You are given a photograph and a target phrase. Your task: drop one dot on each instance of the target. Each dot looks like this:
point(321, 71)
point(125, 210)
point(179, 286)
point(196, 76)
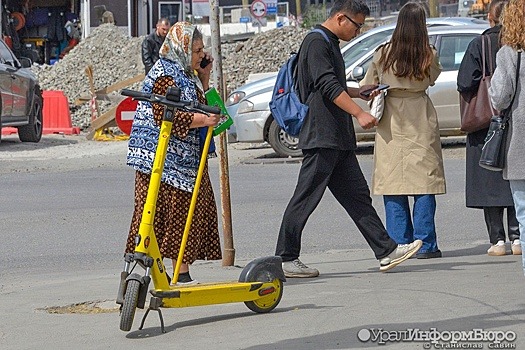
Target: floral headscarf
point(177, 45)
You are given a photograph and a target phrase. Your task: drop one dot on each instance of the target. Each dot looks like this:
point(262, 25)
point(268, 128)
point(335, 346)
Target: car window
point(366, 63)
point(5, 54)
point(452, 49)
point(432, 39)
point(357, 50)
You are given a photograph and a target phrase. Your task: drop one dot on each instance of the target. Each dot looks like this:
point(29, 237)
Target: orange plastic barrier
point(56, 115)
point(9, 131)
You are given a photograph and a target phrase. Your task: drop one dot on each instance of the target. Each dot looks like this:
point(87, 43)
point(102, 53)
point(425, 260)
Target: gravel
point(115, 56)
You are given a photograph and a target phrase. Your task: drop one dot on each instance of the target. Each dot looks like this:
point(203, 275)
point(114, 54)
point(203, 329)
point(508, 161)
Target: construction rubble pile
point(265, 52)
point(115, 57)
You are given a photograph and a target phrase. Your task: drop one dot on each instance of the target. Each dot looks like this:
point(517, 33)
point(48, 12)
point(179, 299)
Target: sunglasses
point(358, 25)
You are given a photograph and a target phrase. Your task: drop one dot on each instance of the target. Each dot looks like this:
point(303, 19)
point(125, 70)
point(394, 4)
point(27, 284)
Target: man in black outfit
point(327, 139)
point(152, 43)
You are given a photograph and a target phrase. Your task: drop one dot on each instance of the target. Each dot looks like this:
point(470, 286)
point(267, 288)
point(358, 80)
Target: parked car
point(21, 98)
point(254, 123)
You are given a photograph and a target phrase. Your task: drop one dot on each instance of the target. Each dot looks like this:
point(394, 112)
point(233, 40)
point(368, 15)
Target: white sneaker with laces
point(296, 268)
point(402, 253)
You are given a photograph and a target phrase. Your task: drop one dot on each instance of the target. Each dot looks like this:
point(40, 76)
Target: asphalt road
point(65, 208)
point(68, 202)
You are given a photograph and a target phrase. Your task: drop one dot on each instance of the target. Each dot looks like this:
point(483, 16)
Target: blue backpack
point(286, 107)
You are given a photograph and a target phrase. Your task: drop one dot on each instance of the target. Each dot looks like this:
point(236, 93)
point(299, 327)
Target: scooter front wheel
point(268, 302)
point(130, 305)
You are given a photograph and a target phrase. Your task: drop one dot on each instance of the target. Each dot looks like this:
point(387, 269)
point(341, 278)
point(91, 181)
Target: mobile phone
point(367, 93)
point(205, 62)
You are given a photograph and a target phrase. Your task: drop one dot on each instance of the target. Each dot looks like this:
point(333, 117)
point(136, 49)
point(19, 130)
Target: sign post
point(258, 10)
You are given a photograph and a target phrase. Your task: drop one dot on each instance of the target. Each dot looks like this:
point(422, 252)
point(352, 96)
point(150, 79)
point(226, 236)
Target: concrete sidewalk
point(463, 291)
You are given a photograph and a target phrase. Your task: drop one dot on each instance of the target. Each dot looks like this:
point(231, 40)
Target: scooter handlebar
point(186, 105)
point(136, 94)
point(205, 108)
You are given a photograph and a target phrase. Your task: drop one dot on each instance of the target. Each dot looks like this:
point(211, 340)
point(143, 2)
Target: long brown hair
point(409, 53)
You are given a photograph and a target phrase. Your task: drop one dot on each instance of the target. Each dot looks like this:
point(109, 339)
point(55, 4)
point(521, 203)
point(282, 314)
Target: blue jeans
point(517, 187)
point(403, 229)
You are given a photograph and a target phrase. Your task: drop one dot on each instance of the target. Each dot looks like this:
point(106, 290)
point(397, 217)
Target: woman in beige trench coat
point(407, 154)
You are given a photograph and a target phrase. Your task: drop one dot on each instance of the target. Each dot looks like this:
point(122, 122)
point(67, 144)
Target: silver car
point(253, 121)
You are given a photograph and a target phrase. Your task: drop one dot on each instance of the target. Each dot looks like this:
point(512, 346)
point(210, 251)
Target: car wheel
point(33, 131)
point(282, 143)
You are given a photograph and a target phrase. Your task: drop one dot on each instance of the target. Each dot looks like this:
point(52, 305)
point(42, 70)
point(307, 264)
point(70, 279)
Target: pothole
point(87, 307)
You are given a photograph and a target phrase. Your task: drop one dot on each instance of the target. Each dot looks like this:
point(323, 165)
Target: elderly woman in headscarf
point(179, 65)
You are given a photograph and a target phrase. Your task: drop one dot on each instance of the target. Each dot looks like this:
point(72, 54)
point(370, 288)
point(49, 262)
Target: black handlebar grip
point(208, 109)
point(135, 94)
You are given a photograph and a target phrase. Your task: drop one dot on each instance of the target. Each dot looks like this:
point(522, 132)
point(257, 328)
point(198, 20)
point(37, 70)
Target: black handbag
point(494, 150)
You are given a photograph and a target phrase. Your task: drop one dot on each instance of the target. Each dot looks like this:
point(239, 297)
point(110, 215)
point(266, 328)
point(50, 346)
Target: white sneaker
point(296, 268)
point(402, 253)
point(497, 249)
point(516, 247)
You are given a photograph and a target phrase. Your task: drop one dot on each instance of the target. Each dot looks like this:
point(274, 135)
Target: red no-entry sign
point(125, 113)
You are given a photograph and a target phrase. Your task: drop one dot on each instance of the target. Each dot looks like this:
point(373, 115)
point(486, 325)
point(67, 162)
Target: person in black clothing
point(328, 143)
point(484, 188)
point(152, 43)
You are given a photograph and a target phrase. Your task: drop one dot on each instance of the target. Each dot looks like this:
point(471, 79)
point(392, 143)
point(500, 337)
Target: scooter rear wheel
point(268, 302)
point(130, 305)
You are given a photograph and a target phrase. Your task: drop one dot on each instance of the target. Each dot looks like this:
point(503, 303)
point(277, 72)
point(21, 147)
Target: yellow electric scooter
point(260, 285)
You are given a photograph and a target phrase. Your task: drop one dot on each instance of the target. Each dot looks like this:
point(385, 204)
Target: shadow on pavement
point(350, 338)
point(156, 331)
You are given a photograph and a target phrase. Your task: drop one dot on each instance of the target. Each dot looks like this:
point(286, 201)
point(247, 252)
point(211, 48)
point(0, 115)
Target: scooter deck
point(215, 293)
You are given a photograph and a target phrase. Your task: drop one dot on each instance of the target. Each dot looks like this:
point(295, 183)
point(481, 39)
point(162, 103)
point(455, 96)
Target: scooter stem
point(193, 203)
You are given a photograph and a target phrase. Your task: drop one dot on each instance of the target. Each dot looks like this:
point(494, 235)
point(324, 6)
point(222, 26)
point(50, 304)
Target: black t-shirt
point(320, 79)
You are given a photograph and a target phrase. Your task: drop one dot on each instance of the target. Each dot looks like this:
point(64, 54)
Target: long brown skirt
point(170, 219)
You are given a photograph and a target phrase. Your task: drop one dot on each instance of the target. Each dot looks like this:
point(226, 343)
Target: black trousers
point(494, 221)
point(341, 173)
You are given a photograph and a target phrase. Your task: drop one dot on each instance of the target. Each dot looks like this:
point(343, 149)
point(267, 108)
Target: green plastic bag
point(214, 99)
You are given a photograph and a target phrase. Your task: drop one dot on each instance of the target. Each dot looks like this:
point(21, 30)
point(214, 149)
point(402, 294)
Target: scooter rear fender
point(256, 268)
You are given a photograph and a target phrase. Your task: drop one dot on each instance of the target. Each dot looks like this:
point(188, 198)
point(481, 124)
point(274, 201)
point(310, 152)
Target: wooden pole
point(228, 257)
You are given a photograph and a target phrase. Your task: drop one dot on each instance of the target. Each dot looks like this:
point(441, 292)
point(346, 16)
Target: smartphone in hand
point(367, 93)
point(205, 62)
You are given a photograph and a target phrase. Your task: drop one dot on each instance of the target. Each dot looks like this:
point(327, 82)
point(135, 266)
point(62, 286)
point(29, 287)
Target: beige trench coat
point(407, 153)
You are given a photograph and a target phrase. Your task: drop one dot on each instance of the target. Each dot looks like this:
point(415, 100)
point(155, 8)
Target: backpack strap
point(317, 30)
point(294, 73)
